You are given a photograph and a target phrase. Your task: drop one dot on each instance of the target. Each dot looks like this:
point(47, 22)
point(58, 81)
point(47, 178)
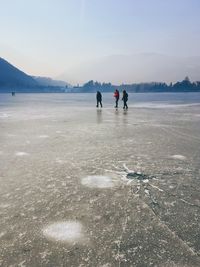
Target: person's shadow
point(125, 118)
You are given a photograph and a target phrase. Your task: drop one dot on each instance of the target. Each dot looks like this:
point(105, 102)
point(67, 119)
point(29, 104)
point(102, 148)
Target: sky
point(77, 40)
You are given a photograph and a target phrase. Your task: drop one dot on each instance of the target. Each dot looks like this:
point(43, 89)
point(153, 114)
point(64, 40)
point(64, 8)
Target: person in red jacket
point(116, 95)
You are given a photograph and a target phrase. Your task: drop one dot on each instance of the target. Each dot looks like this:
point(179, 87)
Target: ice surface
point(87, 187)
point(67, 231)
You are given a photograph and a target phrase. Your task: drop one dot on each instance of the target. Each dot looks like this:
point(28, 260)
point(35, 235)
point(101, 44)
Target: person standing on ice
point(99, 99)
point(116, 95)
point(125, 99)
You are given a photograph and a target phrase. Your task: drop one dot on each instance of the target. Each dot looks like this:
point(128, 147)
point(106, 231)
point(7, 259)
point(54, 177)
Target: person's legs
point(97, 104)
point(116, 103)
point(101, 104)
point(126, 105)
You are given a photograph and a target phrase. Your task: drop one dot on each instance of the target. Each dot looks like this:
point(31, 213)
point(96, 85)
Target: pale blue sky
point(57, 37)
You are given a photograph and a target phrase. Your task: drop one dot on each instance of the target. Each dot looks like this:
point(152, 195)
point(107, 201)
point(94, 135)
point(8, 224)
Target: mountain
point(11, 76)
point(13, 79)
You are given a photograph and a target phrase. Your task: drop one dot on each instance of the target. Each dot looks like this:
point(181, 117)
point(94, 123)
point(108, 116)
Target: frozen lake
point(82, 186)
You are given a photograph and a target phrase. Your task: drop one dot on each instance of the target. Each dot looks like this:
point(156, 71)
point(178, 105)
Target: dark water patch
point(138, 176)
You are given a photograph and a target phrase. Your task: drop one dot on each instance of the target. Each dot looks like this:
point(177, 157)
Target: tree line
point(183, 86)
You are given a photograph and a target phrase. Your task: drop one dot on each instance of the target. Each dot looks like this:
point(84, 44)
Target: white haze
point(146, 67)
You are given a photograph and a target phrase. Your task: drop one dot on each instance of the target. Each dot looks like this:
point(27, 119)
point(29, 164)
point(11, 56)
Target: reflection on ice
point(97, 181)
point(67, 231)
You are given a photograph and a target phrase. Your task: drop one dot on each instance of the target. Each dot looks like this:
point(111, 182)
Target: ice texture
point(89, 187)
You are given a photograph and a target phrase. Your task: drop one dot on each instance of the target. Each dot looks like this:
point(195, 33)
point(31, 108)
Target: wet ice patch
point(134, 175)
point(67, 231)
point(138, 176)
point(180, 157)
point(97, 181)
point(21, 154)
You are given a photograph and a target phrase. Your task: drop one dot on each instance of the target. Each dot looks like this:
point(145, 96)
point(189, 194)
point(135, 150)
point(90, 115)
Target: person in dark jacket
point(99, 99)
point(116, 95)
point(125, 99)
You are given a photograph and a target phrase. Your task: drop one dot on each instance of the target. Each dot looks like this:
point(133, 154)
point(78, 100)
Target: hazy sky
point(58, 38)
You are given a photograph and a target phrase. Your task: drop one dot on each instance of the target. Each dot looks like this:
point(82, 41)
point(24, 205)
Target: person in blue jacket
point(125, 99)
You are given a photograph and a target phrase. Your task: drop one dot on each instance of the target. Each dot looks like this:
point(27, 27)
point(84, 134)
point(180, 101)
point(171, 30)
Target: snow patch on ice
point(147, 192)
point(67, 231)
point(180, 157)
point(43, 136)
point(22, 264)
point(4, 115)
point(2, 234)
point(45, 253)
point(161, 105)
point(21, 154)
point(97, 181)
point(4, 205)
point(11, 135)
point(60, 161)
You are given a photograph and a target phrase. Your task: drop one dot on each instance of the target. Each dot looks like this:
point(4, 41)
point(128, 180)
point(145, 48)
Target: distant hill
point(13, 79)
point(11, 76)
point(46, 81)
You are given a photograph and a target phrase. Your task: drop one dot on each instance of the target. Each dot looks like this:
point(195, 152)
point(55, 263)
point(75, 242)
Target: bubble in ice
point(97, 181)
point(21, 154)
point(180, 157)
point(66, 231)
